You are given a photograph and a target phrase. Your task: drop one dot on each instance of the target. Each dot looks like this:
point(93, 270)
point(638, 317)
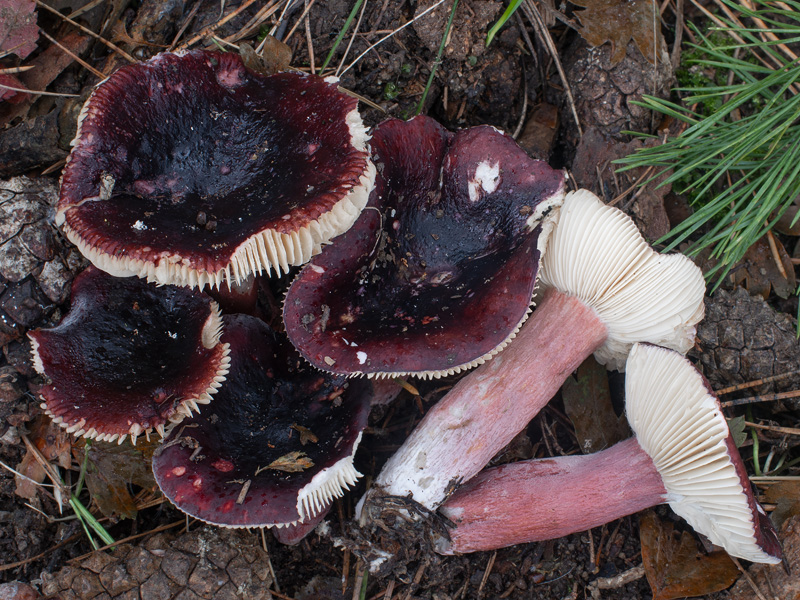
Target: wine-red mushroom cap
point(129, 357)
point(190, 169)
point(277, 444)
point(597, 254)
point(437, 274)
point(678, 421)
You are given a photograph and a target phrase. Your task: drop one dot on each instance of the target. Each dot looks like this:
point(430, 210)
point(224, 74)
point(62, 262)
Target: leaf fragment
point(18, 29)
point(293, 462)
point(306, 435)
point(673, 565)
point(620, 21)
point(587, 402)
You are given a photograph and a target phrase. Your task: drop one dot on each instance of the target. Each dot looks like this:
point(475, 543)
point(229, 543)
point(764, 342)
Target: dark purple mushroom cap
point(129, 357)
point(437, 275)
point(277, 444)
point(190, 169)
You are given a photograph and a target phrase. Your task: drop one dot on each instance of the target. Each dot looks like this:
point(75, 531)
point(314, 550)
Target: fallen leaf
point(759, 272)
point(785, 495)
point(775, 582)
point(53, 443)
point(540, 131)
point(18, 29)
point(737, 428)
point(618, 22)
point(274, 58)
point(306, 435)
point(674, 566)
point(587, 402)
point(112, 469)
point(294, 462)
point(9, 95)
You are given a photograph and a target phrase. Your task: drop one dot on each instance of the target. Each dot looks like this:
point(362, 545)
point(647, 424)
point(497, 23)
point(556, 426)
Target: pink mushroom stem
point(503, 395)
point(550, 498)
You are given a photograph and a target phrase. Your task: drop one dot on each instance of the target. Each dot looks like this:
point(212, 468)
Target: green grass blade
point(341, 35)
point(507, 14)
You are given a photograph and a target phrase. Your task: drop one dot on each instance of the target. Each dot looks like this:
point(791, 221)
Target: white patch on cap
point(139, 226)
point(361, 356)
point(487, 178)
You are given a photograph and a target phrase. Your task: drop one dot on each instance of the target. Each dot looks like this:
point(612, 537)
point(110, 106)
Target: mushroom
point(191, 169)
point(129, 357)
point(682, 454)
point(438, 273)
point(277, 444)
point(606, 289)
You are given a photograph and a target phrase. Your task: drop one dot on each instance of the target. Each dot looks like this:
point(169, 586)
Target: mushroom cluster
point(228, 174)
point(421, 250)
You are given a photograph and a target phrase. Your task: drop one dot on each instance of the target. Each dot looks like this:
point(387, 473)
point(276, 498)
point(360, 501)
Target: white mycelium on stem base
point(607, 289)
point(682, 454)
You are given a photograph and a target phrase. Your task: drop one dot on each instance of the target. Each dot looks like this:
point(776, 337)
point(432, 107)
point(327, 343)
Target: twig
point(352, 37)
point(300, 19)
point(386, 37)
point(310, 43)
point(36, 92)
point(774, 428)
point(755, 382)
point(749, 579)
point(128, 539)
point(73, 56)
point(22, 563)
point(757, 399)
point(487, 572)
point(524, 111)
point(87, 31)
point(214, 26)
point(532, 12)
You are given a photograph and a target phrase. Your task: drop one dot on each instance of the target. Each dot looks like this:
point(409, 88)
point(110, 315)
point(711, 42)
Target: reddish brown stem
point(549, 498)
point(488, 407)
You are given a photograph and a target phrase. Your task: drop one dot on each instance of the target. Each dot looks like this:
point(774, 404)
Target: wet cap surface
point(438, 273)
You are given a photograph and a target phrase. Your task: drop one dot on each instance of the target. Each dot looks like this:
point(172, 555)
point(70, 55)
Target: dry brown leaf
point(587, 402)
point(759, 272)
point(53, 443)
point(673, 565)
point(293, 462)
point(785, 495)
point(9, 95)
point(618, 22)
point(112, 469)
point(306, 435)
point(274, 58)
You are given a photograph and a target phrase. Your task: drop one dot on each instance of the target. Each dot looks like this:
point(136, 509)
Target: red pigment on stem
point(488, 407)
point(549, 498)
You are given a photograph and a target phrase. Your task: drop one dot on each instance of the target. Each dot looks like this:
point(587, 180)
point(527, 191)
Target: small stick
point(127, 539)
point(87, 31)
point(16, 70)
point(486, 573)
point(352, 37)
point(386, 37)
point(212, 28)
point(756, 382)
point(73, 56)
point(310, 43)
point(300, 19)
point(749, 579)
point(773, 246)
point(269, 564)
point(755, 399)
point(774, 428)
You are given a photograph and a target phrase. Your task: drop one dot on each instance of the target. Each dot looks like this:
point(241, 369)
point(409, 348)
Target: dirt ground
point(514, 85)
